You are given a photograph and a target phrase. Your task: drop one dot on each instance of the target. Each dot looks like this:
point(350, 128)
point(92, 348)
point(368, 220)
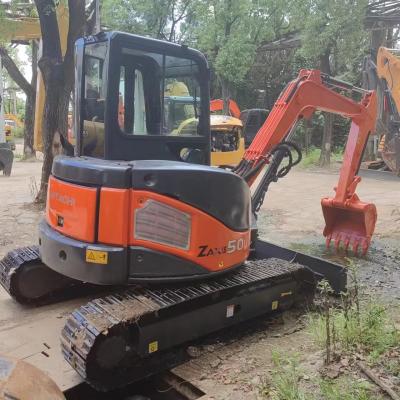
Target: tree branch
point(90, 18)
point(15, 73)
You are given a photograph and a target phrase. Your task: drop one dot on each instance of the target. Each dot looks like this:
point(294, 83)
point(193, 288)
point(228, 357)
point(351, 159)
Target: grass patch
point(393, 366)
point(369, 330)
point(312, 157)
point(285, 381)
point(346, 389)
point(286, 384)
point(18, 132)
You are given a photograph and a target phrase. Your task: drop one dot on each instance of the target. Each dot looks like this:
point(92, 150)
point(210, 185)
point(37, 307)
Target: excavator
point(384, 76)
point(147, 214)
point(249, 120)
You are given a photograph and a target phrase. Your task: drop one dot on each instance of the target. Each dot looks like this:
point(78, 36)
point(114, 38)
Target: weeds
point(345, 389)
point(285, 382)
point(371, 330)
point(393, 366)
point(354, 326)
point(330, 331)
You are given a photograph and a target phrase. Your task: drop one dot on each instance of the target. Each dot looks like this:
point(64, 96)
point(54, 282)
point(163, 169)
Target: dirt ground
point(233, 367)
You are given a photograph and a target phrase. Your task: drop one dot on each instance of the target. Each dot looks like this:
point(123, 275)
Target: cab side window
point(131, 103)
point(94, 100)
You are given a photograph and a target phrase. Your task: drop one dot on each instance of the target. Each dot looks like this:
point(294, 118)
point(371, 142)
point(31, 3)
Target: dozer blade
point(350, 224)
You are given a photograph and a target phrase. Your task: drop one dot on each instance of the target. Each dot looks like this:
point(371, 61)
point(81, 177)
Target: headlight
point(160, 223)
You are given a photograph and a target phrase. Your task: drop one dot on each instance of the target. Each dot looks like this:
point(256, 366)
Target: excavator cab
point(120, 104)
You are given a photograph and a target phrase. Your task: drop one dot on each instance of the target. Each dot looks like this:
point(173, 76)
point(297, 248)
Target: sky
point(27, 71)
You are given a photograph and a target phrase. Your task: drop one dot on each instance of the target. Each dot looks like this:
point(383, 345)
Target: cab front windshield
point(158, 95)
point(154, 94)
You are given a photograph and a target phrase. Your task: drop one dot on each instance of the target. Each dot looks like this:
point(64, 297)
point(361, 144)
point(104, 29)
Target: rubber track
point(98, 316)
point(12, 262)
point(12, 268)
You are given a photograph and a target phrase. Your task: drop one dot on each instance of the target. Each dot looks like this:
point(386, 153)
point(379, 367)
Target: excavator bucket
point(350, 224)
point(6, 160)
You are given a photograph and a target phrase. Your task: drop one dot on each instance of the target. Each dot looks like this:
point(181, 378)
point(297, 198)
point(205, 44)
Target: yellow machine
point(388, 68)
point(227, 141)
point(12, 117)
point(11, 122)
point(388, 71)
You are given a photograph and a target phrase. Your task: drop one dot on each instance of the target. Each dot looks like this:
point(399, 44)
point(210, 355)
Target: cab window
point(158, 95)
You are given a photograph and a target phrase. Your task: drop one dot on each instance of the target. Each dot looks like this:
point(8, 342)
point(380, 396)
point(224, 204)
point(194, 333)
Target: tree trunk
point(325, 157)
point(29, 151)
point(58, 77)
point(51, 118)
point(326, 145)
point(226, 95)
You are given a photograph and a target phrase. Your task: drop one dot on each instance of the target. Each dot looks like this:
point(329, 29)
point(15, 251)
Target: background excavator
point(159, 218)
point(384, 76)
point(251, 120)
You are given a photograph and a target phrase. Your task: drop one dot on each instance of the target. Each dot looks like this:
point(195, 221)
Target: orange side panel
point(212, 244)
point(71, 209)
point(114, 216)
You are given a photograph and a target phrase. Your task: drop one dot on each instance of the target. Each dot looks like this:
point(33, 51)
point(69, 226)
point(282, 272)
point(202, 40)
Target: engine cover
point(145, 220)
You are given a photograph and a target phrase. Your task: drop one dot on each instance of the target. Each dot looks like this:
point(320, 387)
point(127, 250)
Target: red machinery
point(347, 219)
point(218, 105)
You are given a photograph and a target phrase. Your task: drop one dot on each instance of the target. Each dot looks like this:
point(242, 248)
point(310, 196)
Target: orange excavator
point(159, 222)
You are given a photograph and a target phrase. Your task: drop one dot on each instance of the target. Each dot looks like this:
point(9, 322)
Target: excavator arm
point(348, 220)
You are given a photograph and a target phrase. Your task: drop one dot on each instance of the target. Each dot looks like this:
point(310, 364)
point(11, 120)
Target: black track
point(29, 281)
point(110, 341)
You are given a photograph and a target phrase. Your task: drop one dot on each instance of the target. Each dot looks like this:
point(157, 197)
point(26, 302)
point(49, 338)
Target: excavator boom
point(347, 219)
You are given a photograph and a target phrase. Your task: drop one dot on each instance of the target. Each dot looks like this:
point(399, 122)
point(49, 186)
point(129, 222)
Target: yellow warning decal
point(286, 294)
point(96, 256)
point(153, 347)
point(274, 305)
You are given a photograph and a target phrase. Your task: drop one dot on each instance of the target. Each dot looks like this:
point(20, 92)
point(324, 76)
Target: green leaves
point(229, 32)
point(162, 19)
point(334, 29)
